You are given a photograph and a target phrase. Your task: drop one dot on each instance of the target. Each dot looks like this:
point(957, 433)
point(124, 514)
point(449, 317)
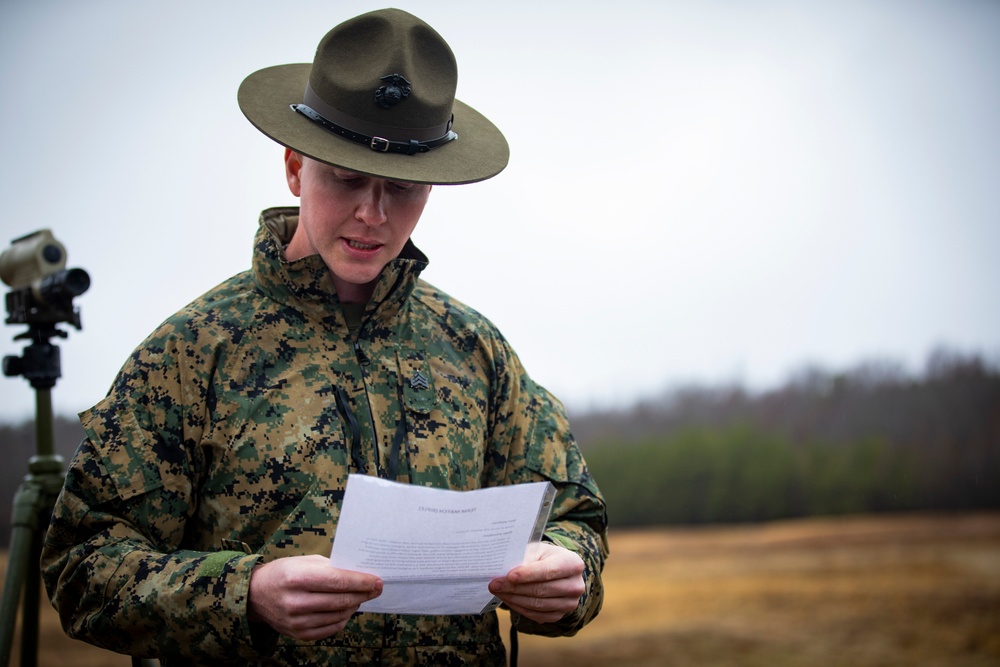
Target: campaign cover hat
point(378, 99)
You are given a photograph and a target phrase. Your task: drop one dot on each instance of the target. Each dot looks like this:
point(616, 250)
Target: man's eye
point(402, 187)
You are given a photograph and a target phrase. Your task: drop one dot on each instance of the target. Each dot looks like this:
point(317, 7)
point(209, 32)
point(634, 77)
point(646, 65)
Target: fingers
point(544, 603)
point(551, 564)
point(316, 575)
point(306, 598)
point(544, 590)
point(295, 603)
point(311, 627)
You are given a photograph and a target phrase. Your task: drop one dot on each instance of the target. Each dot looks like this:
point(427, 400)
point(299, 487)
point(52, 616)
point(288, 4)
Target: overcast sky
point(702, 192)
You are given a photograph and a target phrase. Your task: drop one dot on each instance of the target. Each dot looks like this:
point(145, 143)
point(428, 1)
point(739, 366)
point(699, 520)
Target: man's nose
point(371, 208)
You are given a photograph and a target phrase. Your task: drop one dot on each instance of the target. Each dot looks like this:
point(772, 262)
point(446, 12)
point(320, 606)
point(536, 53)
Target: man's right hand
point(307, 598)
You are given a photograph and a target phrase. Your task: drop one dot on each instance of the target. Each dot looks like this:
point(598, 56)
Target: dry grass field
point(860, 591)
point(871, 591)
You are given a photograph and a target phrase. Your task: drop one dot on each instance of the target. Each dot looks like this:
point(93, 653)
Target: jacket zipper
point(364, 362)
point(361, 356)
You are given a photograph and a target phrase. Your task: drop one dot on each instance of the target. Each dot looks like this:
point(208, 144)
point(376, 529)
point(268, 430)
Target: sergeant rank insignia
point(419, 381)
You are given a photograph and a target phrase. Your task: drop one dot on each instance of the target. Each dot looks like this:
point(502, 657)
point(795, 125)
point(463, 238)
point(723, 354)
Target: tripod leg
point(31, 597)
point(18, 565)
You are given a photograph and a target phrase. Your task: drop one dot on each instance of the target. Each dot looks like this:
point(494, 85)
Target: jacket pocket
point(124, 448)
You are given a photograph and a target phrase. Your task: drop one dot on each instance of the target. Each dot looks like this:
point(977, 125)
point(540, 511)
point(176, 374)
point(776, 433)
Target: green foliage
point(872, 439)
point(863, 476)
point(739, 474)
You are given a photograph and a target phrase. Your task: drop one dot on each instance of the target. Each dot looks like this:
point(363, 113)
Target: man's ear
point(293, 169)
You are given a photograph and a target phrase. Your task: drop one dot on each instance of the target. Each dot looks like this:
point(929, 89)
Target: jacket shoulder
point(223, 311)
point(454, 313)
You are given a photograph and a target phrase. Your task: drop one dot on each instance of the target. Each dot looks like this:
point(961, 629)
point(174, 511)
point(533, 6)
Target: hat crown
point(360, 56)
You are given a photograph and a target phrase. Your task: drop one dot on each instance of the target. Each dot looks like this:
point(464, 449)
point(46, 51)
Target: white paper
point(436, 550)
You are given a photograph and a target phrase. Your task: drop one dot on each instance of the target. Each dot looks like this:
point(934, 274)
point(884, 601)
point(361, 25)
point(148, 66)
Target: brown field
point(864, 591)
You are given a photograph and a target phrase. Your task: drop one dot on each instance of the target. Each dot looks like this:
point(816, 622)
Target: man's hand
point(546, 588)
point(307, 598)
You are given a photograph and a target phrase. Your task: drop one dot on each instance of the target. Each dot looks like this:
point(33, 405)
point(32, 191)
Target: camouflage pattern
point(227, 438)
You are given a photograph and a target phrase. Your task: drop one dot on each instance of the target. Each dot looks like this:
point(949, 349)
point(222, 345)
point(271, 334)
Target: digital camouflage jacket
point(227, 438)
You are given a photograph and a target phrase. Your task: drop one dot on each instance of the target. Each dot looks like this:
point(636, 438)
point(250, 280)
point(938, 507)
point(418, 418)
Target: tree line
point(874, 438)
point(871, 439)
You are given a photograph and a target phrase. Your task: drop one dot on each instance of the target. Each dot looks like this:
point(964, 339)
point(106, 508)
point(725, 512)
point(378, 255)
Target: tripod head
point(41, 296)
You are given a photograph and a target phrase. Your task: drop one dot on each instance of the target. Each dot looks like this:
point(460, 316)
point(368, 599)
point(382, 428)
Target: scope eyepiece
point(62, 285)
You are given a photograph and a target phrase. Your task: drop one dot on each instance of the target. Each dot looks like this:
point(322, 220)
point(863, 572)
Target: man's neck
point(352, 292)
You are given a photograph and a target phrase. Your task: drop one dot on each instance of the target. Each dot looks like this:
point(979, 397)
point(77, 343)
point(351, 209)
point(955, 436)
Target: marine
point(198, 514)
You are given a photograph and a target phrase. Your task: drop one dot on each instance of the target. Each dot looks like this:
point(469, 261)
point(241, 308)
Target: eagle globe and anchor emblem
point(395, 90)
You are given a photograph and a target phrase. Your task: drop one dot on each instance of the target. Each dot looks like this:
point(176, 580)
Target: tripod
point(33, 502)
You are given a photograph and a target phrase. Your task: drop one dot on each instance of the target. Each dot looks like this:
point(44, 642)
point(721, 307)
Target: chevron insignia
point(418, 381)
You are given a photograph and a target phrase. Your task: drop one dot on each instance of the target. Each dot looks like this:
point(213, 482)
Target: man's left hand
point(546, 588)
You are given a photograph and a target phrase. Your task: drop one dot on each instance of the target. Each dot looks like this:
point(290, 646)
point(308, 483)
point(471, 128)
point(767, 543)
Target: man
point(197, 515)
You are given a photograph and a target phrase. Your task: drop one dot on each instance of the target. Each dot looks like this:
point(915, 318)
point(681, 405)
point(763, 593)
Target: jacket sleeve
point(542, 448)
point(112, 560)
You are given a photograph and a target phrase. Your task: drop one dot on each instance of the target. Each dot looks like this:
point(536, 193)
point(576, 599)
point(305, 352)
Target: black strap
point(513, 646)
point(344, 407)
point(398, 438)
point(378, 144)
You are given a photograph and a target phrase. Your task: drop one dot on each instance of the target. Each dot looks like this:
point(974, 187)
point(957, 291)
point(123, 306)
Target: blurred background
point(698, 192)
point(751, 245)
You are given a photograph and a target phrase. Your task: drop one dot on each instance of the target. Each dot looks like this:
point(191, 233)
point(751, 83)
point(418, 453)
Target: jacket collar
point(306, 283)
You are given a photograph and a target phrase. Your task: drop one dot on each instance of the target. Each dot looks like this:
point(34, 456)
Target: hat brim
point(479, 152)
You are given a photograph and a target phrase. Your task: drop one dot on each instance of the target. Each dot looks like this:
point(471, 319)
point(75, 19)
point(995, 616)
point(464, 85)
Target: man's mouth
point(362, 246)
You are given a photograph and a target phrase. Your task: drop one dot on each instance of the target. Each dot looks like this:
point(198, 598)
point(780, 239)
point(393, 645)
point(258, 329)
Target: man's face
point(356, 223)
